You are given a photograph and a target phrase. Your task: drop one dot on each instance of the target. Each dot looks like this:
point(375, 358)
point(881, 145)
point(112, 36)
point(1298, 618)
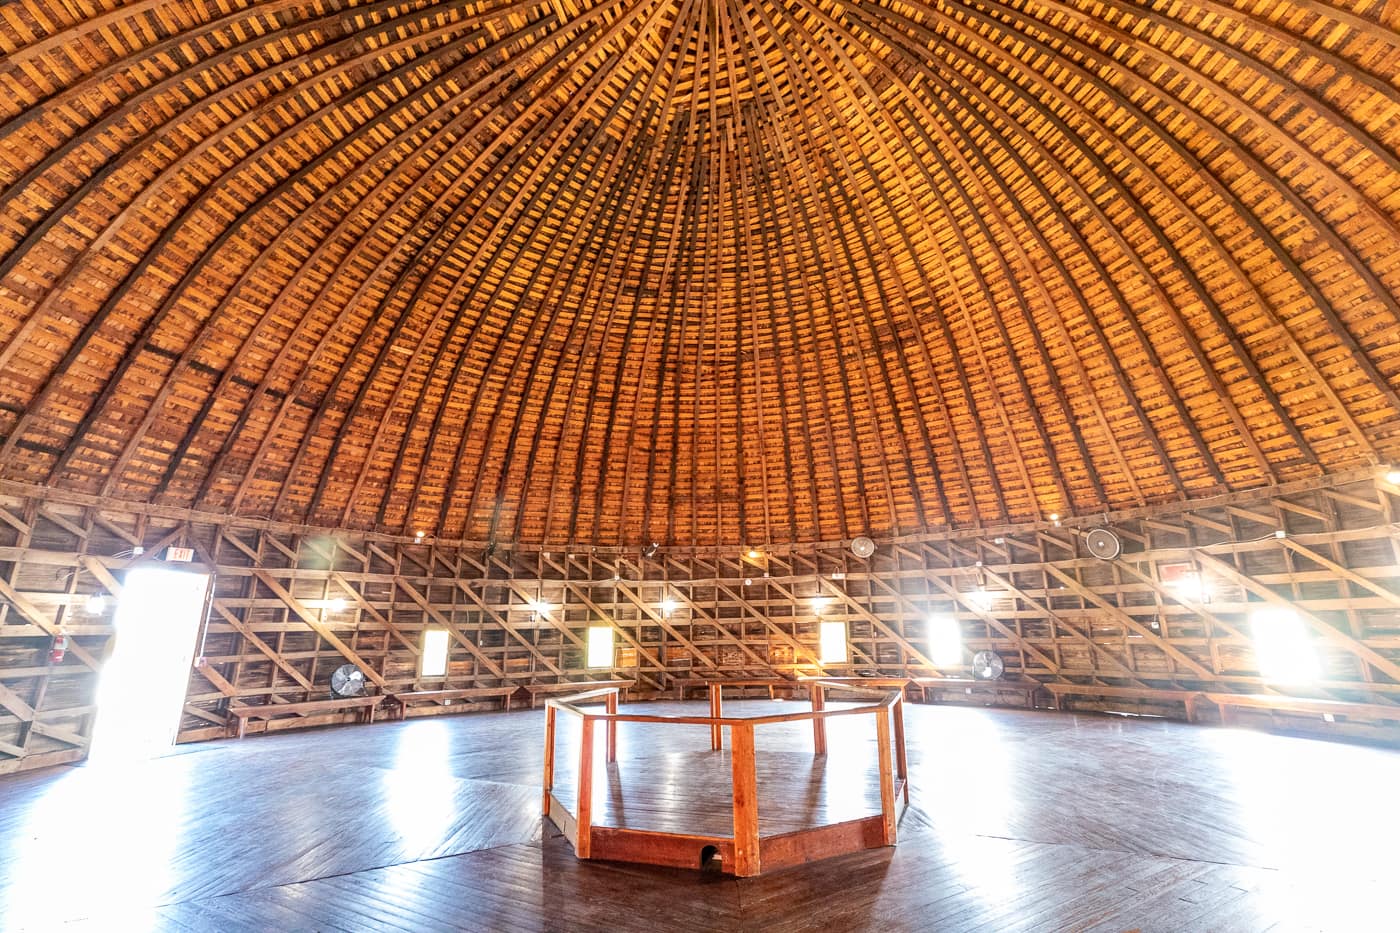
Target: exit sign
point(179, 555)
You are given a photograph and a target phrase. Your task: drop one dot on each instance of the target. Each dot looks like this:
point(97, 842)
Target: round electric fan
point(987, 665)
point(1103, 544)
point(862, 547)
point(348, 681)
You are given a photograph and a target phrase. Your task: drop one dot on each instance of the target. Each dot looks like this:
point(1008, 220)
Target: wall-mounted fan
point(1103, 543)
point(862, 547)
point(348, 681)
point(987, 665)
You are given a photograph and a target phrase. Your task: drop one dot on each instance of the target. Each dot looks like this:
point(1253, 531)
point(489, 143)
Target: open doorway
point(141, 692)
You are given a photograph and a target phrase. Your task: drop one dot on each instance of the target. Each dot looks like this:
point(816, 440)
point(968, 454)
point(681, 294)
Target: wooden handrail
point(586, 695)
point(884, 704)
point(890, 747)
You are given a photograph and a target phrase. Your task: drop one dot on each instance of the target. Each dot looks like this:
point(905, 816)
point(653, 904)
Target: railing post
point(716, 711)
point(612, 728)
point(584, 816)
point(818, 695)
point(901, 758)
point(549, 713)
point(882, 735)
point(741, 753)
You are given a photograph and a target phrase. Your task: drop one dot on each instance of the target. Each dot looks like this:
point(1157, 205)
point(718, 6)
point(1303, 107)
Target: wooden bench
point(402, 700)
point(871, 683)
point(962, 687)
point(364, 708)
point(576, 686)
point(1307, 706)
point(1188, 698)
point(772, 683)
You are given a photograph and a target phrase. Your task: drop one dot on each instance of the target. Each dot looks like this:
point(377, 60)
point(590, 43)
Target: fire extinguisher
point(59, 648)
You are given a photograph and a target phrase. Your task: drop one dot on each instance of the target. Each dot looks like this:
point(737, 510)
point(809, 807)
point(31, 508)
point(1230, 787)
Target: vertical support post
point(741, 754)
point(584, 818)
point(882, 735)
point(901, 757)
point(612, 728)
point(818, 695)
point(549, 714)
point(716, 711)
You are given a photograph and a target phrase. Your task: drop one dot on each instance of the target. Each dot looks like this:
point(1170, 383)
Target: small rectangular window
point(435, 652)
point(833, 645)
point(944, 641)
point(600, 646)
point(1282, 648)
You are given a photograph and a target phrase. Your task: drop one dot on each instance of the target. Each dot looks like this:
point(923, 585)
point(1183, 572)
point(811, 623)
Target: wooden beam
point(317, 626)
point(451, 627)
point(1330, 633)
point(34, 615)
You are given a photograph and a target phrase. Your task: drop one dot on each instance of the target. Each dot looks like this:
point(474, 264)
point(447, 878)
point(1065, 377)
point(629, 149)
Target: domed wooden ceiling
point(695, 271)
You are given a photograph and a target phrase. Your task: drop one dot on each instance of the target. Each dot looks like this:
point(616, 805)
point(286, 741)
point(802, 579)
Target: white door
point(141, 692)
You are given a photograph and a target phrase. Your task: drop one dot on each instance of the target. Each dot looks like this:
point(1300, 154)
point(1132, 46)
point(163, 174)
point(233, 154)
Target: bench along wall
point(519, 617)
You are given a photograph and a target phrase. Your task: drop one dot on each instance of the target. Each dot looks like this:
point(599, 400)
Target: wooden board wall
point(1060, 616)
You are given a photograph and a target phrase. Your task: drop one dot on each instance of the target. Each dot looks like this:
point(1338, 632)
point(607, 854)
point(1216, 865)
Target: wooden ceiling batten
point(706, 272)
point(1221, 392)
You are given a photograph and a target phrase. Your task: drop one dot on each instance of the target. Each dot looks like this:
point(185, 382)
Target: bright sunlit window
point(833, 647)
point(435, 652)
point(600, 646)
point(944, 641)
point(1282, 647)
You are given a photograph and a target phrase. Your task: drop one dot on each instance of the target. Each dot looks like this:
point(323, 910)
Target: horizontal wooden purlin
point(783, 608)
point(1059, 616)
point(20, 491)
point(1155, 555)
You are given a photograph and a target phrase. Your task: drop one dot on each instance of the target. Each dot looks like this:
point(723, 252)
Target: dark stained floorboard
point(1019, 821)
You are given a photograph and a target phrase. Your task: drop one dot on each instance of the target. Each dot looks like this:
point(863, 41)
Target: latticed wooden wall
point(1059, 615)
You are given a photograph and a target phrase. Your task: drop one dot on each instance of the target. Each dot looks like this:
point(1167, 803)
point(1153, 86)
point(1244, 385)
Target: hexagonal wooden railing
point(746, 852)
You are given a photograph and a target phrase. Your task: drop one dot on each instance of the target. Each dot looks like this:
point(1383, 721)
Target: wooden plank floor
point(1020, 821)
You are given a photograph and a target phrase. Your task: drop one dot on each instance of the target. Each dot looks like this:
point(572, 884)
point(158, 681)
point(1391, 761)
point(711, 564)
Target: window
point(833, 646)
point(435, 652)
point(600, 646)
point(1282, 647)
point(944, 641)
